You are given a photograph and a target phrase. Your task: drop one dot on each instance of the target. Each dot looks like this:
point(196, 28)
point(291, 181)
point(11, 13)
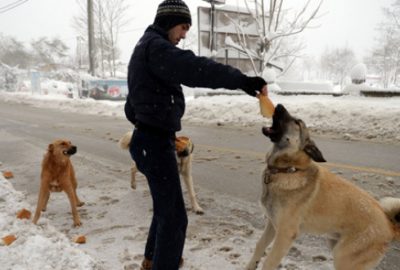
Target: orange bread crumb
point(8, 174)
point(24, 214)
point(80, 239)
point(9, 239)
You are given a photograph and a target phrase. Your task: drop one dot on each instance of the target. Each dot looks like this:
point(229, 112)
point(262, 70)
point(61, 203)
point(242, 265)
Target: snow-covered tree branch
point(277, 28)
point(385, 56)
point(110, 19)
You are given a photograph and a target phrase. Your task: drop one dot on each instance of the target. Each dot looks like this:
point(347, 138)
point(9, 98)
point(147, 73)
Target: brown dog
point(58, 175)
point(301, 196)
point(184, 152)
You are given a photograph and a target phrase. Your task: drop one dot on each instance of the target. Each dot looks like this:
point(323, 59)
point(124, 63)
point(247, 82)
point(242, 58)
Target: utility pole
point(79, 51)
point(101, 39)
point(263, 17)
point(212, 33)
point(264, 34)
point(91, 37)
point(213, 41)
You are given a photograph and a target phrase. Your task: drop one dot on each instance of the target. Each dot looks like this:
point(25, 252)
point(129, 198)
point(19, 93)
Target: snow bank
point(349, 117)
point(37, 247)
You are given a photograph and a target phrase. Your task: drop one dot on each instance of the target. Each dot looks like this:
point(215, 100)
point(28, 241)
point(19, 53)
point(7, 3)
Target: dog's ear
point(312, 151)
point(50, 148)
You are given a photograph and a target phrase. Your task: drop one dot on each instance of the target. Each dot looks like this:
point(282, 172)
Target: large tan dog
point(301, 196)
point(184, 151)
point(58, 175)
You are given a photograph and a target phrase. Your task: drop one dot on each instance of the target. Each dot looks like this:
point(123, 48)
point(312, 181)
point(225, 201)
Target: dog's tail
point(125, 140)
point(391, 206)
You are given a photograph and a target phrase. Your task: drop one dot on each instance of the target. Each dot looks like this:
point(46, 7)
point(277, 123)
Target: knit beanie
point(171, 13)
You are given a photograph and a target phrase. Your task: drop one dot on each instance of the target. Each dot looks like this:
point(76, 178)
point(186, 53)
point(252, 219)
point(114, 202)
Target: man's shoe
point(147, 264)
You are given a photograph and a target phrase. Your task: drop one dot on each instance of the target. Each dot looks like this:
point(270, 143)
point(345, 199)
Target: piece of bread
point(80, 239)
point(8, 175)
point(24, 214)
point(267, 108)
point(9, 239)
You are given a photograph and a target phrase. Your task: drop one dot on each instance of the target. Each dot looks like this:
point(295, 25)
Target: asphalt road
point(227, 159)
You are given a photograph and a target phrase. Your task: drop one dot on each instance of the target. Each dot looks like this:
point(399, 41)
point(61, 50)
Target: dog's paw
point(252, 265)
point(198, 210)
point(77, 223)
point(79, 204)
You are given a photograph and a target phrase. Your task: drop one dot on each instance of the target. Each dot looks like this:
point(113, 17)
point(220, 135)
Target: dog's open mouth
point(268, 131)
point(275, 132)
point(70, 151)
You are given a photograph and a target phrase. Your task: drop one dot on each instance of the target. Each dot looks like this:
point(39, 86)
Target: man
point(155, 105)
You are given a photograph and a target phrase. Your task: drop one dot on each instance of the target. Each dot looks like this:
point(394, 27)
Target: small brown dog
point(184, 152)
point(58, 175)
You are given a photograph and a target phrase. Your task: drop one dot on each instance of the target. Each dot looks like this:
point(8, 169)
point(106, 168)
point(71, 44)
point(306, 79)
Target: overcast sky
point(346, 22)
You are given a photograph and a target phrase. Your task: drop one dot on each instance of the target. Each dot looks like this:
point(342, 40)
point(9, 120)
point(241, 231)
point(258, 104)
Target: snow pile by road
point(36, 247)
point(351, 117)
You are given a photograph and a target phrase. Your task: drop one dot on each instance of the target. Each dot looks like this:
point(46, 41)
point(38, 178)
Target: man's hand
point(264, 90)
point(255, 85)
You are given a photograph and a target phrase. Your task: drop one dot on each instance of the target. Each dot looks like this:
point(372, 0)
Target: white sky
point(346, 22)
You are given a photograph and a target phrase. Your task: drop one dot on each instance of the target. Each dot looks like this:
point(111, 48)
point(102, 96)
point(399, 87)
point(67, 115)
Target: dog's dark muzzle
point(72, 150)
point(280, 118)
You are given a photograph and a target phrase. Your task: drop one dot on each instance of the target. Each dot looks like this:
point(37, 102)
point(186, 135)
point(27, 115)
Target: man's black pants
point(154, 155)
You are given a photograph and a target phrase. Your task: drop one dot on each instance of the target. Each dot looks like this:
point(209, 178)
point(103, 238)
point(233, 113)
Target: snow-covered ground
point(222, 239)
point(36, 247)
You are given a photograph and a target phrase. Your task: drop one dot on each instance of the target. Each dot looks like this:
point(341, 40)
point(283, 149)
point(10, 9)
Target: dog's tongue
point(69, 152)
point(267, 131)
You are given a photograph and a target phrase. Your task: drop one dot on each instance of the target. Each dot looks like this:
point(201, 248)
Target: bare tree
point(394, 12)
point(278, 28)
point(385, 56)
point(337, 63)
point(49, 52)
point(13, 52)
point(114, 12)
point(110, 18)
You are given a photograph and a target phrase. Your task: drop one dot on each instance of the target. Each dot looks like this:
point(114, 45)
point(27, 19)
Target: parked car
point(113, 89)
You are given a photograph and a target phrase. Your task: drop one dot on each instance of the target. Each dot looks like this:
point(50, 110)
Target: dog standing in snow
point(58, 175)
point(184, 152)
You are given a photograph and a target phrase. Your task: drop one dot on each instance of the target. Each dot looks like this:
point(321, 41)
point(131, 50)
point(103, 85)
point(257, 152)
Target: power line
point(11, 6)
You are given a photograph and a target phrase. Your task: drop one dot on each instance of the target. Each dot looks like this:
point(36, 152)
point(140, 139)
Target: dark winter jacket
point(156, 71)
